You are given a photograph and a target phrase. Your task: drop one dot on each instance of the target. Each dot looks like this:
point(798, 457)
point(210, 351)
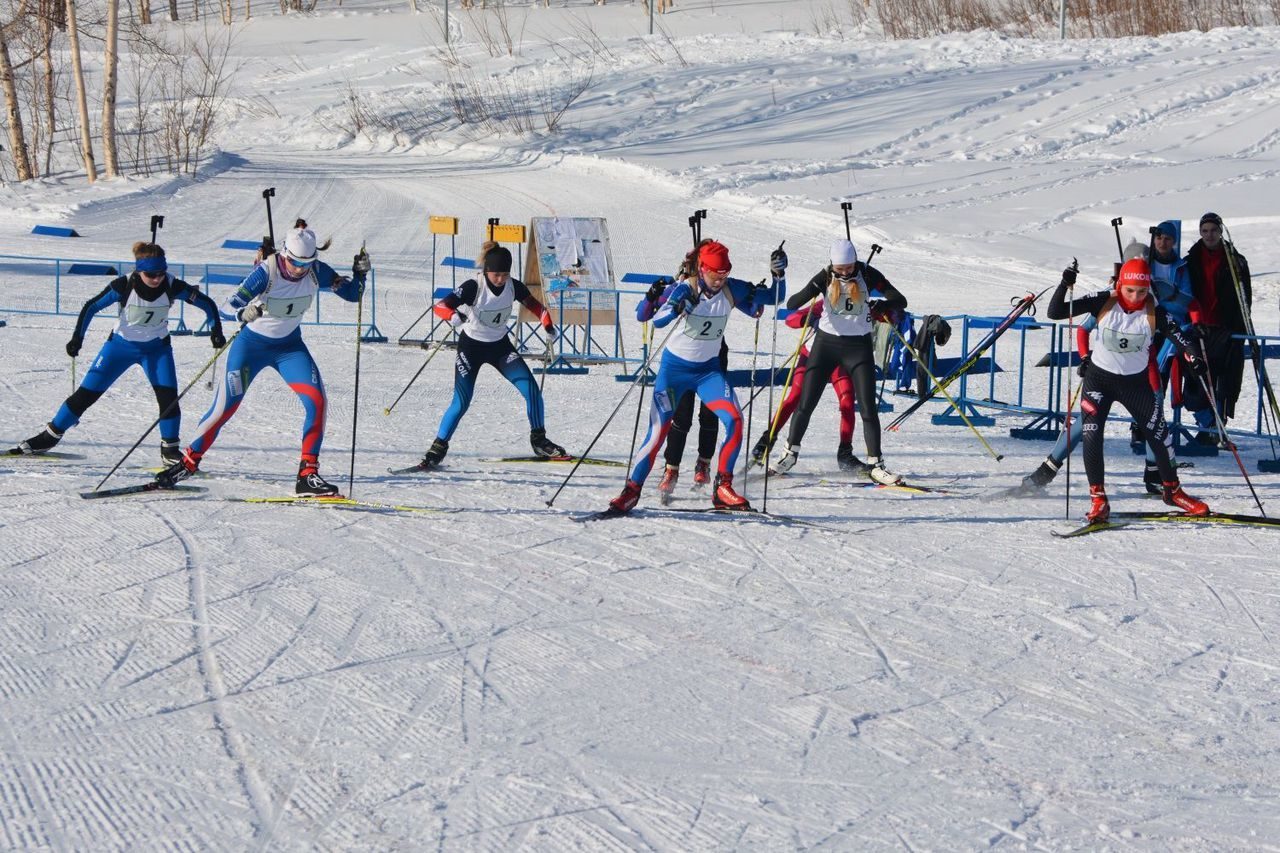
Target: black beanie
point(497, 259)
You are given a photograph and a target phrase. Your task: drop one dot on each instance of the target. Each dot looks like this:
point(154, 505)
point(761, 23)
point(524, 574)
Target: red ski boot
point(667, 487)
point(626, 501)
point(1174, 496)
point(724, 497)
point(1099, 506)
point(701, 473)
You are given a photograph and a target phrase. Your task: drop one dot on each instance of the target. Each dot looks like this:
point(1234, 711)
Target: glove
point(1084, 367)
point(683, 298)
point(250, 312)
point(73, 346)
point(547, 325)
point(1069, 276)
point(216, 339)
point(777, 263)
point(655, 290)
point(1196, 364)
point(361, 265)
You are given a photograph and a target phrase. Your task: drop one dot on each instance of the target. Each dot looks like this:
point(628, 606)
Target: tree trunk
point(50, 83)
point(173, 10)
point(82, 99)
point(17, 138)
point(110, 72)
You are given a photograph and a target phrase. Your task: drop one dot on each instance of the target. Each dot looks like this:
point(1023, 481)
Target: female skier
point(481, 313)
point(691, 362)
point(141, 337)
point(271, 303)
point(844, 339)
point(843, 387)
point(1121, 369)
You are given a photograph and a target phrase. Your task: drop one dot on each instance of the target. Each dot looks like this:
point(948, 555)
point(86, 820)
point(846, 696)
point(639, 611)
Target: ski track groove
point(214, 687)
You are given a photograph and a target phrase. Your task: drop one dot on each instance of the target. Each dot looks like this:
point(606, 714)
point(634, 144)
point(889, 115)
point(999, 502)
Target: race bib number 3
point(1124, 341)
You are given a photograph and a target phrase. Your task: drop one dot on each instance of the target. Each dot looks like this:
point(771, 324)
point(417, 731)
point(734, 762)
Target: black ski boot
point(435, 455)
point(544, 447)
point(1152, 480)
point(850, 463)
point(170, 451)
point(46, 439)
point(178, 471)
point(1039, 478)
point(311, 484)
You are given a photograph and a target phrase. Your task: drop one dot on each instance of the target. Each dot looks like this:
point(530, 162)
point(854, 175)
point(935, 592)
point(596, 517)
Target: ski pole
point(73, 374)
point(645, 338)
point(1246, 314)
point(960, 411)
point(755, 351)
point(773, 375)
point(1227, 442)
point(1071, 342)
point(355, 406)
point(786, 388)
point(640, 374)
point(435, 349)
point(169, 408)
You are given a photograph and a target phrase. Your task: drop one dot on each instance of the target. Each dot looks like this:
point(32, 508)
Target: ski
point(1091, 527)
point(1021, 307)
point(911, 488)
point(413, 469)
point(585, 460)
point(338, 502)
point(753, 514)
point(19, 453)
point(139, 489)
point(1211, 518)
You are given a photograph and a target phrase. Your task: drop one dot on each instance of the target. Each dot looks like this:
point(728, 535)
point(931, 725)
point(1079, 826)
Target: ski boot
point(1207, 438)
point(1175, 496)
point(787, 460)
point(1137, 441)
point(667, 487)
point(1099, 506)
point(626, 501)
point(170, 451)
point(701, 473)
point(880, 474)
point(850, 463)
point(47, 439)
point(434, 455)
point(724, 497)
point(761, 450)
point(311, 484)
point(1152, 480)
point(1039, 478)
point(178, 471)
point(542, 446)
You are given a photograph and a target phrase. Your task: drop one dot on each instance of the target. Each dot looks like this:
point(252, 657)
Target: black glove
point(1084, 366)
point(361, 265)
point(73, 346)
point(1197, 364)
point(1069, 276)
point(216, 339)
point(655, 290)
point(777, 262)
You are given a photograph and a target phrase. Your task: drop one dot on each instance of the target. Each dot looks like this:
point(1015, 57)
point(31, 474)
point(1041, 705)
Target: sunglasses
point(149, 274)
point(300, 264)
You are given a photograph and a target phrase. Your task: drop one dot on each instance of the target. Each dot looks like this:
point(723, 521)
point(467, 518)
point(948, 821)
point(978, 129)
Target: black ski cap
point(1211, 217)
point(497, 259)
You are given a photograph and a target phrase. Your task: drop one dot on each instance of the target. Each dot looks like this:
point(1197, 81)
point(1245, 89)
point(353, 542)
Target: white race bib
point(147, 316)
point(288, 306)
point(705, 328)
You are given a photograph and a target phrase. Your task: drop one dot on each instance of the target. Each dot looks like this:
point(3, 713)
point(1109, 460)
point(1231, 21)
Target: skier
point(682, 420)
point(840, 382)
point(843, 338)
point(141, 337)
point(1119, 370)
point(270, 303)
point(691, 362)
point(1209, 265)
point(481, 313)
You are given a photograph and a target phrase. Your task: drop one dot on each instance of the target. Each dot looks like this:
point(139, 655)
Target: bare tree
point(110, 77)
point(17, 135)
point(173, 10)
point(82, 100)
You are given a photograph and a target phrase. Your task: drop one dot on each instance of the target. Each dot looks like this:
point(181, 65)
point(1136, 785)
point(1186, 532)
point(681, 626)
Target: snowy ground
point(935, 673)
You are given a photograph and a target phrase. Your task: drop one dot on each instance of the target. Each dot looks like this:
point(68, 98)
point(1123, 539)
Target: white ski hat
point(842, 252)
point(300, 245)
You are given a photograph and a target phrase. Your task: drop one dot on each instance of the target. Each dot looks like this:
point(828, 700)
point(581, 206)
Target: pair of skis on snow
point(1124, 519)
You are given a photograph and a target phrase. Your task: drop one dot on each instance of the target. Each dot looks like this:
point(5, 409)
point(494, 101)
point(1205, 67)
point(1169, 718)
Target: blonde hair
point(484, 250)
point(143, 249)
point(835, 288)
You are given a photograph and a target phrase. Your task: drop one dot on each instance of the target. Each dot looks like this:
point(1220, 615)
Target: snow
point(940, 673)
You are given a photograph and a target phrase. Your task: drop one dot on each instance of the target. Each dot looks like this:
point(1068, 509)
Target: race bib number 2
point(702, 328)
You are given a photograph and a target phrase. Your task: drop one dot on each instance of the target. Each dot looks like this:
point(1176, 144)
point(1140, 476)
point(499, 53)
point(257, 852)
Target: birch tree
point(82, 99)
point(17, 135)
point(110, 75)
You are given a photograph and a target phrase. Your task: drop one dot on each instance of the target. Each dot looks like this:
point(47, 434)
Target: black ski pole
point(355, 405)
point(157, 222)
point(847, 206)
point(1227, 442)
point(1071, 335)
point(167, 409)
point(435, 349)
